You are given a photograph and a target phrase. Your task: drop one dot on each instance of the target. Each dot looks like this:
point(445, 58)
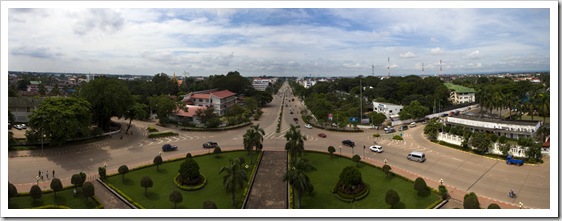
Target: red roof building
point(220, 100)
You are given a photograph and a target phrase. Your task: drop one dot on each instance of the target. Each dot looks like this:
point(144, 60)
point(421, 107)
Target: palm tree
point(253, 138)
point(235, 178)
point(298, 179)
point(295, 141)
point(432, 129)
point(544, 103)
point(510, 102)
point(498, 102)
point(482, 100)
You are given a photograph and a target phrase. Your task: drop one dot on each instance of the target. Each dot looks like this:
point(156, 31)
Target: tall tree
point(481, 142)
point(189, 172)
point(157, 161)
point(109, 98)
point(135, 111)
point(253, 138)
point(60, 119)
point(392, 198)
point(413, 111)
point(295, 141)
point(432, 129)
point(235, 177)
point(163, 105)
point(296, 176)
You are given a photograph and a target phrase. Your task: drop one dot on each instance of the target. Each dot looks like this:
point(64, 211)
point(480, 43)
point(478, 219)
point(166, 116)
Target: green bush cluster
point(376, 135)
point(397, 137)
point(350, 198)
point(152, 129)
point(162, 134)
point(190, 188)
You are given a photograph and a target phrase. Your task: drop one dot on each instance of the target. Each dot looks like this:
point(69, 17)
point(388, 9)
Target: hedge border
point(190, 188)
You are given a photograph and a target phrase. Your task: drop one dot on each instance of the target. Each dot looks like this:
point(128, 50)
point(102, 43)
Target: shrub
point(494, 206)
point(152, 129)
point(331, 150)
point(209, 205)
point(443, 192)
point(35, 192)
point(123, 169)
point(189, 172)
point(162, 134)
point(392, 198)
point(421, 187)
point(88, 190)
point(12, 190)
point(397, 137)
point(146, 182)
point(471, 201)
point(376, 135)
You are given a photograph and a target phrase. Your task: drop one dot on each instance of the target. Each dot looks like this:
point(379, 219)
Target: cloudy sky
point(278, 41)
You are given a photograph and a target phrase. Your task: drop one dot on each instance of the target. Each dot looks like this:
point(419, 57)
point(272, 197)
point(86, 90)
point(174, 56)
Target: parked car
point(413, 124)
point(18, 126)
point(376, 148)
point(295, 119)
point(348, 143)
point(308, 126)
point(168, 147)
point(323, 135)
point(445, 115)
point(403, 128)
point(210, 144)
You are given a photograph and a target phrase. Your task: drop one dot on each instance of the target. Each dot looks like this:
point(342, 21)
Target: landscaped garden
point(158, 196)
point(326, 176)
point(63, 199)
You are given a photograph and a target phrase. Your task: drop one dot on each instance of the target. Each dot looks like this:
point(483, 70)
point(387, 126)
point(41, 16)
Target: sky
point(282, 41)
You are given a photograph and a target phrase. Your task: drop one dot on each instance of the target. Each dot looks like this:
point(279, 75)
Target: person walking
point(47, 174)
point(53, 173)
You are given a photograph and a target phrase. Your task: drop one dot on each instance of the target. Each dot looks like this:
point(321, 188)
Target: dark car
point(168, 147)
point(323, 135)
point(210, 144)
point(348, 143)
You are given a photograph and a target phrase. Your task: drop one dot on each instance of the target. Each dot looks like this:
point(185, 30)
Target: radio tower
point(422, 69)
point(440, 68)
point(388, 67)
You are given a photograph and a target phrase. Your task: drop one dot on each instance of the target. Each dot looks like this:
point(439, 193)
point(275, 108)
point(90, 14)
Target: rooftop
point(459, 88)
point(496, 120)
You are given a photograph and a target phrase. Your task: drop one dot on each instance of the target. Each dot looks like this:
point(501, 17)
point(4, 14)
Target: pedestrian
point(53, 173)
point(47, 174)
point(41, 175)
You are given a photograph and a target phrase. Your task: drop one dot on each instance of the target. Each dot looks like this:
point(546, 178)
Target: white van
point(416, 156)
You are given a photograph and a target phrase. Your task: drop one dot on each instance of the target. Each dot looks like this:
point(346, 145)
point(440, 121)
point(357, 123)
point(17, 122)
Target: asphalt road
point(465, 172)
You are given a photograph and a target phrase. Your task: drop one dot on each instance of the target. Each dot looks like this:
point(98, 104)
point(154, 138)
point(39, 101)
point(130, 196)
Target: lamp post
point(520, 205)
point(37, 178)
point(160, 153)
point(385, 161)
point(441, 182)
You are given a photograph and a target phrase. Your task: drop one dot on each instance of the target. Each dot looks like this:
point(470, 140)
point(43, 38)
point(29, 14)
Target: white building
point(511, 129)
point(220, 100)
point(389, 110)
point(460, 94)
point(306, 83)
point(261, 84)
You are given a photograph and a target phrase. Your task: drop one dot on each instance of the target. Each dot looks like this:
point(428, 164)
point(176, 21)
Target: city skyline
point(279, 41)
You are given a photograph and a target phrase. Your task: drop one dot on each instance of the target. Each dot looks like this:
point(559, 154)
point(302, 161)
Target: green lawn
point(158, 195)
point(327, 174)
point(64, 198)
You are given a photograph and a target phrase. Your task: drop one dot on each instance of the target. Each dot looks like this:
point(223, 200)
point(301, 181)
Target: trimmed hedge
point(397, 137)
point(199, 129)
point(349, 198)
point(162, 134)
point(190, 188)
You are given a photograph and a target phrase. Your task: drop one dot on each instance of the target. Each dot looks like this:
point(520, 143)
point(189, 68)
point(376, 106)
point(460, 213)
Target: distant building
point(261, 84)
point(460, 94)
point(389, 110)
point(22, 107)
point(220, 100)
point(189, 116)
point(508, 128)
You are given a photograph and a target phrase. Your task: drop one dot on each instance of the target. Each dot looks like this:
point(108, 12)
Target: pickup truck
point(511, 160)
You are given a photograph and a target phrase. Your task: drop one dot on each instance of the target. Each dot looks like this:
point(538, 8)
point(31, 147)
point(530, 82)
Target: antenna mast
point(388, 67)
point(440, 68)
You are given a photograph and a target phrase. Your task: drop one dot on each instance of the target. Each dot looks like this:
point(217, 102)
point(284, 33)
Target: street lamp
point(441, 182)
point(159, 153)
point(37, 178)
point(385, 161)
point(520, 205)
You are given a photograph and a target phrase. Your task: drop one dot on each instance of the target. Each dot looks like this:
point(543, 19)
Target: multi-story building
point(22, 107)
point(220, 100)
point(261, 84)
point(389, 110)
point(508, 128)
point(460, 94)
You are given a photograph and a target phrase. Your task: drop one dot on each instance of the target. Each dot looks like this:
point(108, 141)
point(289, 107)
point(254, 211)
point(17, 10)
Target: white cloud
point(437, 51)
point(408, 54)
point(474, 55)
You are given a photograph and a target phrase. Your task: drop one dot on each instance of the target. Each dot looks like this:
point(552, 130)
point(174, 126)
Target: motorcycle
point(511, 194)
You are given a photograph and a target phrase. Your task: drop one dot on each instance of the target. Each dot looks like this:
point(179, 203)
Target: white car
point(376, 148)
point(308, 126)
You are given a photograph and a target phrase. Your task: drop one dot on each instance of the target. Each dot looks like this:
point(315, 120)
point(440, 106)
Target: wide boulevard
point(459, 170)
